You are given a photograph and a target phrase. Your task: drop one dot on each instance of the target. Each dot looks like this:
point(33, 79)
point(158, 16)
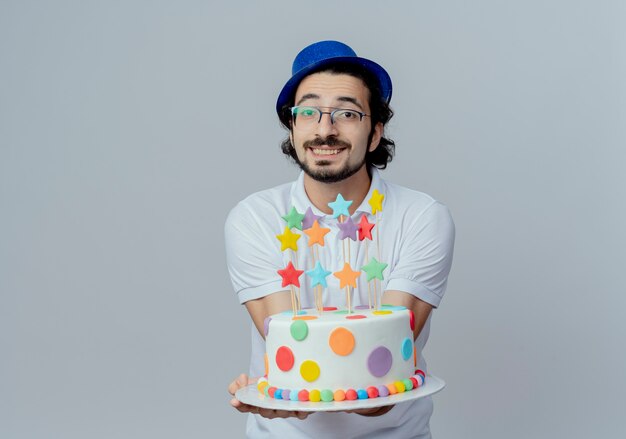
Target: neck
point(353, 188)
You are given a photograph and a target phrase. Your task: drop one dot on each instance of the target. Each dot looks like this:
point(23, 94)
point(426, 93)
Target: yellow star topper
point(288, 240)
point(376, 201)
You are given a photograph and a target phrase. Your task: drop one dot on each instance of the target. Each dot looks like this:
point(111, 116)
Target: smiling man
point(335, 108)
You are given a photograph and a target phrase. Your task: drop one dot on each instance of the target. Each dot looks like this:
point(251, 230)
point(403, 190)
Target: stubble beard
point(328, 175)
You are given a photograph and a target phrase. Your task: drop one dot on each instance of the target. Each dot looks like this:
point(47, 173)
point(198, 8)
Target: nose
point(325, 127)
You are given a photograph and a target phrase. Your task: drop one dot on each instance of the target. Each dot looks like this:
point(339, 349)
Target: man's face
point(330, 152)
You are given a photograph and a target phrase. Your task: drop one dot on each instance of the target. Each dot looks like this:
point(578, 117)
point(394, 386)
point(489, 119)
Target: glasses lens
point(346, 116)
point(305, 115)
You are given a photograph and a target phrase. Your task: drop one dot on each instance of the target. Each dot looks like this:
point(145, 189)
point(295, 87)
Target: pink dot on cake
point(330, 308)
point(284, 358)
point(356, 317)
point(362, 307)
point(379, 361)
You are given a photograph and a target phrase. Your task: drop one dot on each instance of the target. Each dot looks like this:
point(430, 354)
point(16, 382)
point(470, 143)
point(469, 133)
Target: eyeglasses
point(309, 116)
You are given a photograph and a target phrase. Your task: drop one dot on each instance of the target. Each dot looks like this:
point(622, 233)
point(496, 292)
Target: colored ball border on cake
point(327, 395)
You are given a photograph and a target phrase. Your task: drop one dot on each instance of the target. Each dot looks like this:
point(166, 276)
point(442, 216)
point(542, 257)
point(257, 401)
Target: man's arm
point(421, 310)
point(264, 307)
point(259, 309)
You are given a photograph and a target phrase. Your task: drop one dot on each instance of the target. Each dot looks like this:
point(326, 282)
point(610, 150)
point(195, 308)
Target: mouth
point(325, 152)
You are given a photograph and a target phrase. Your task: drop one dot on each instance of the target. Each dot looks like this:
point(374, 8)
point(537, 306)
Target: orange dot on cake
point(341, 341)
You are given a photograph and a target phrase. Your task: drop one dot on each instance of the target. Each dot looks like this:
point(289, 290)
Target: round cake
point(336, 355)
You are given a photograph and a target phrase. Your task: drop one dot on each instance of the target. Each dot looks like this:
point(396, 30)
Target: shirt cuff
point(416, 289)
point(252, 293)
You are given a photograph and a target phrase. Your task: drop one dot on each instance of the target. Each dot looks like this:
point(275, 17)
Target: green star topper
point(294, 218)
point(374, 269)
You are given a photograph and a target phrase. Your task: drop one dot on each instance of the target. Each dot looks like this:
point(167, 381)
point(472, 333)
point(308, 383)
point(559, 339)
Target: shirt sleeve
point(425, 257)
point(251, 255)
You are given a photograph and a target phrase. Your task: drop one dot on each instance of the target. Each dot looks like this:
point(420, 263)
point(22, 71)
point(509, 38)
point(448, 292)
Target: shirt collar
point(301, 200)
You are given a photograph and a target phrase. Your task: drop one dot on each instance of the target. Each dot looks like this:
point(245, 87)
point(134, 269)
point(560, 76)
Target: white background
point(129, 129)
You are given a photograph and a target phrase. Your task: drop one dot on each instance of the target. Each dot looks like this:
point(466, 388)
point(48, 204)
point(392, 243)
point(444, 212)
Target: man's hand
point(242, 381)
point(376, 411)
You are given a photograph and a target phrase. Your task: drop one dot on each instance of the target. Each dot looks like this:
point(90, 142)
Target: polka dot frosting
point(407, 348)
point(284, 358)
point(356, 317)
point(266, 325)
point(299, 330)
point(341, 341)
point(309, 370)
point(375, 357)
point(379, 361)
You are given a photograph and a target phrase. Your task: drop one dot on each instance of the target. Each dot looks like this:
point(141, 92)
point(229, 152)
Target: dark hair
point(379, 109)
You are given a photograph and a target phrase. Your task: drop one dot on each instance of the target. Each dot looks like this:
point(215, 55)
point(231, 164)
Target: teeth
point(326, 151)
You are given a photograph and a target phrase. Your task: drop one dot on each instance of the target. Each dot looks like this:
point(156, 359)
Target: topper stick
point(293, 300)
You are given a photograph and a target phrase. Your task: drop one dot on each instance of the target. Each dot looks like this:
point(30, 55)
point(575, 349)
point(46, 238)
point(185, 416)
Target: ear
point(291, 138)
point(378, 134)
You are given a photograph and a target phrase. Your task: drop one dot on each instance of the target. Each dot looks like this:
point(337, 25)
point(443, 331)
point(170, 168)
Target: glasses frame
point(330, 113)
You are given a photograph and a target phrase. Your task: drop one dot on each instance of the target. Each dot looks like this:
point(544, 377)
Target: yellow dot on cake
point(309, 370)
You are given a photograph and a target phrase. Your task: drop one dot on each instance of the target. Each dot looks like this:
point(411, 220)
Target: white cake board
point(250, 395)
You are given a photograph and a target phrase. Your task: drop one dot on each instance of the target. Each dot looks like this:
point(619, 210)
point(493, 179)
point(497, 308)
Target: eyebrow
point(340, 99)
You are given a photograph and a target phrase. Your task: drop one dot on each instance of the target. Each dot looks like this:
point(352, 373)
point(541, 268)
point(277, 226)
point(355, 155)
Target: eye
point(347, 115)
point(306, 111)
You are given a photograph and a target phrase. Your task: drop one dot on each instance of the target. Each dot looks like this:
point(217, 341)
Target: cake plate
point(250, 395)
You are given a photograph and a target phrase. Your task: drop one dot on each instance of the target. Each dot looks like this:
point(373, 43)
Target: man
point(335, 108)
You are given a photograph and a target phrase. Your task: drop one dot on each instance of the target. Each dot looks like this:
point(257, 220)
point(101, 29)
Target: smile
point(326, 151)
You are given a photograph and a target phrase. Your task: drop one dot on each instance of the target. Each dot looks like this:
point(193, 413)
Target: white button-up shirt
point(414, 235)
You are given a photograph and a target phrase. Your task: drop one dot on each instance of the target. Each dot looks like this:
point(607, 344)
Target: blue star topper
point(340, 206)
point(318, 275)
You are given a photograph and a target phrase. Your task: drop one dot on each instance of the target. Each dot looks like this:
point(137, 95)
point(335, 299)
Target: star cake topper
point(376, 201)
point(340, 206)
point(316, 234)
point(347, 229)
point(290, 275)
point(288, 240)
point(318, 275)
point(310, 218)
point(374, 269)
point(347, 277)
point(294, 218)
point(365, 228)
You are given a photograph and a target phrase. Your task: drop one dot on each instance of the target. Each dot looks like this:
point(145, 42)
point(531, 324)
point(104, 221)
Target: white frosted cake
point(338, 355)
